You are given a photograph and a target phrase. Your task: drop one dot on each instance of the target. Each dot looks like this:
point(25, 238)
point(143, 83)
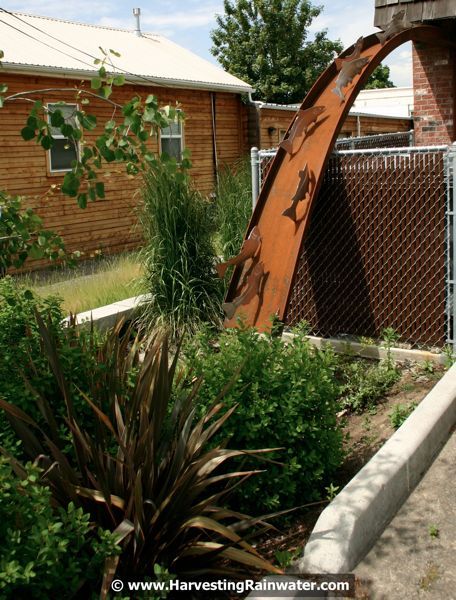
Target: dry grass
point(91, 284)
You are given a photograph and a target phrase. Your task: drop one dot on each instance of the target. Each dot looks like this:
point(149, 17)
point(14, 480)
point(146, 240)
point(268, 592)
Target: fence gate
point(379, 250)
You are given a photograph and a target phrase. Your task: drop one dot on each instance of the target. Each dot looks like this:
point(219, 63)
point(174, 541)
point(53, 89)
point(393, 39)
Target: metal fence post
point(450, 168)
point(255, 163)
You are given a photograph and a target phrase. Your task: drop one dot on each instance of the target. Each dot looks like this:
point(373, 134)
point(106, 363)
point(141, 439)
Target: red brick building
point(434, 68)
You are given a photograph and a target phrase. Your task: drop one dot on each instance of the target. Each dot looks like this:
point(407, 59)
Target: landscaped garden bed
point(302, 422)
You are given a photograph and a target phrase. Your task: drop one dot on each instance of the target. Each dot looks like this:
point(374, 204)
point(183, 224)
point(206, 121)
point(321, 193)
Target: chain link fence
point(379, 249)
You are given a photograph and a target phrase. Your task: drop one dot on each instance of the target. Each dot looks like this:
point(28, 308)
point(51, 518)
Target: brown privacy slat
point(374, 255)
point(282, 239)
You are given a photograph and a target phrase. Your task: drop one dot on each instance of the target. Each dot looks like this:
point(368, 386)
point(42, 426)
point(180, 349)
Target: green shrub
point(46, 553)
point(144, 465)
point(25, 373)
point(287, 398)
point(233, 207)
point(178, 255)
point(365, 383)
point(400, 413)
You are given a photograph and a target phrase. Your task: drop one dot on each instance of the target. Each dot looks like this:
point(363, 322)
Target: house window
point(171, 140)
point(64, 151)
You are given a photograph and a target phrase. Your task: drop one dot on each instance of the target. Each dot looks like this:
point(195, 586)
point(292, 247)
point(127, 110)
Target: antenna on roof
point(137, 14)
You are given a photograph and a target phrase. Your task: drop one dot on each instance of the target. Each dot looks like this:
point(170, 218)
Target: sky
point(190, 25)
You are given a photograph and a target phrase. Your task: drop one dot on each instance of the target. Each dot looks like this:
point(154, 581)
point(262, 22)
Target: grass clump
point(233, 206)
point(178, 255)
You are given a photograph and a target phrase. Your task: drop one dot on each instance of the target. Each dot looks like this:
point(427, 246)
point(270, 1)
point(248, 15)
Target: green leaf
point(89, 122)
point(57, 118)
point(47, 142)
point(96, 83)
point(27, 133)
point(119, 80)
point(102, 71)
point(35, 252)
point(32, 122)
point(3, 88)
point(67, 130)
point(114, 53)
point(70, 185)
point(100, 189)
point(82, 200)
point(2, 54)
point(105, 91)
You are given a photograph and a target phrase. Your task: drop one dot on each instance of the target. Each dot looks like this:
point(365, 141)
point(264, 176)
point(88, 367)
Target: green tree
point(264, 42)
point(380, 78)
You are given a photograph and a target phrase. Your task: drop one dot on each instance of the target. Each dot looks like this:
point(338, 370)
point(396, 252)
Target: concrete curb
point(373, 351)
point(351, 524)
point(107, 316)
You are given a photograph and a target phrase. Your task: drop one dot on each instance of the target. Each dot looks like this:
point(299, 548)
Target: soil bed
point(366, 433)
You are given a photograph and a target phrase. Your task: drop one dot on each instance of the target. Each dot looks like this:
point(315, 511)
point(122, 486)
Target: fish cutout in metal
point(353, 56)
point(249, 248)
point(304, 119)
point(300, 194)
point(347, 73)
point(397, 24)
point(252, 289)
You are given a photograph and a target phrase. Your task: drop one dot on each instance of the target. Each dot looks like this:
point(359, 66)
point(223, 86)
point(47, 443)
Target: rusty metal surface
point(281, 237)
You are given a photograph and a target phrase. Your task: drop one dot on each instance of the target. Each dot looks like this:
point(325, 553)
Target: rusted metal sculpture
point(300, 194)
point(339, 62)
point(303, 121)
point(253, 284)
point(398, 24)
point(248, 250)
point(281, 237)
point(348, 72)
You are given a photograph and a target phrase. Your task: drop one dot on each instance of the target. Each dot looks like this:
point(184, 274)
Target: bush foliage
point(46, 553)
point(287, 396)
point(25, 373)
point(142, 464)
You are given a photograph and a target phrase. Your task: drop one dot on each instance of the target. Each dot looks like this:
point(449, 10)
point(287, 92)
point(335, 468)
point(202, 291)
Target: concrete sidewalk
point(416, 555)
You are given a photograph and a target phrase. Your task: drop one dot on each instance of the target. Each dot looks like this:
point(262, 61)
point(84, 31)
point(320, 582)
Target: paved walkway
point(415, 558)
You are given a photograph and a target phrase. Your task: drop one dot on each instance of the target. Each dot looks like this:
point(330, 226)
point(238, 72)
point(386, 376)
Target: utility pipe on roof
point(137, 14)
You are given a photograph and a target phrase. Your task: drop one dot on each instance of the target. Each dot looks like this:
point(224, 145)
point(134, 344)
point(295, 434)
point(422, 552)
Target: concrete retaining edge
point(351, 524)
point(107, 316)
point(372, 351)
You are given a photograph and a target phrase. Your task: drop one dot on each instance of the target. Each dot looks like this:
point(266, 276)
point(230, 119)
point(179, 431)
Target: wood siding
point(110, 225)
point(275, 122)
point(415, 10)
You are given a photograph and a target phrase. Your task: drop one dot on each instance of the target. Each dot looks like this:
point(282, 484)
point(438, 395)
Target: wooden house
point(48, 58)
point(272, 121)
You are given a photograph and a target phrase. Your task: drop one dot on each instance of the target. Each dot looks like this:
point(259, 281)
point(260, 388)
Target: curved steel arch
point(282, 237)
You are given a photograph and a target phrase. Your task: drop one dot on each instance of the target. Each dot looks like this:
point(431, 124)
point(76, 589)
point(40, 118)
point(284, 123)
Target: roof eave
point(132, 79)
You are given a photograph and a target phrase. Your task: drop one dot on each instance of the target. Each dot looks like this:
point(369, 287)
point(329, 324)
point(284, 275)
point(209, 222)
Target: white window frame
point(179, 136)
point(49, 107)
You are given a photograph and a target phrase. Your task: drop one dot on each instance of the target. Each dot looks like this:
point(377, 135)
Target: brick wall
point(434, 83)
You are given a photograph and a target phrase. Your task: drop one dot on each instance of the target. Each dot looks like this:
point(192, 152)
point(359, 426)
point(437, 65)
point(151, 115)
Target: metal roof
point(51, 46)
